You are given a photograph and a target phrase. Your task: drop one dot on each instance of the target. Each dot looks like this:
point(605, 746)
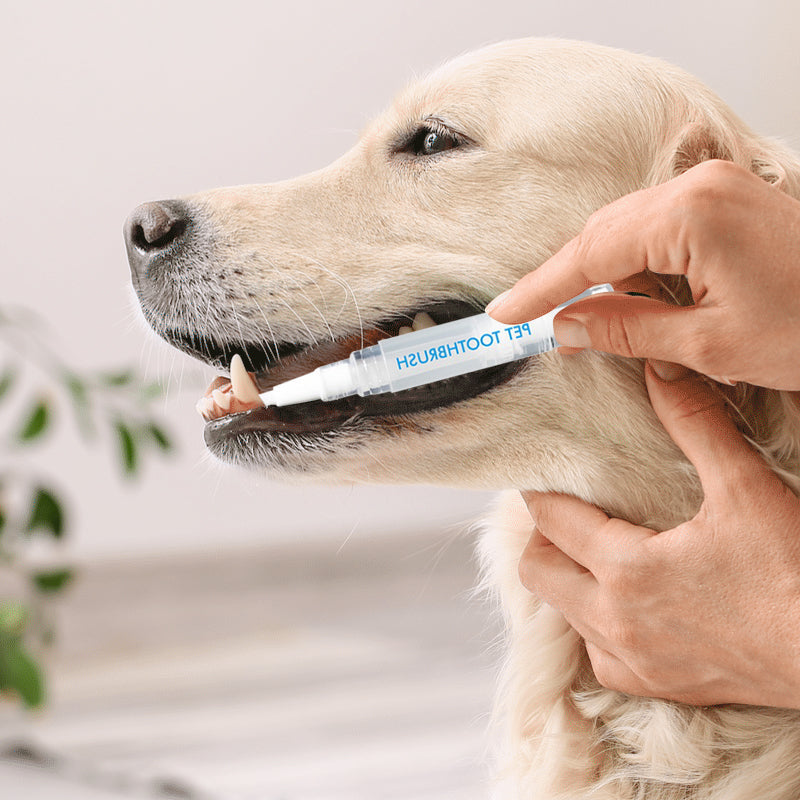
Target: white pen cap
point(324, 383)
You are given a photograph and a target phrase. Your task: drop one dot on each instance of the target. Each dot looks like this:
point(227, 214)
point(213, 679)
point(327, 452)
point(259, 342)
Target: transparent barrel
point(450, 349)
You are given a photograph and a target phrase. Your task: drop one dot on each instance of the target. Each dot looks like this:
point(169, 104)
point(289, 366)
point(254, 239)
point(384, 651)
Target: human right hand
point(735, 237)
point(705, 613)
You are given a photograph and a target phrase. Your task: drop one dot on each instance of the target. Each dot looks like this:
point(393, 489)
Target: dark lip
point(261, 357)
point(276, 362)
point(320, 417)
point(257, 357)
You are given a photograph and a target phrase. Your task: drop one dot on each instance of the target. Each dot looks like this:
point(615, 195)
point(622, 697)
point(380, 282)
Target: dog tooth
point(222, 399)
point(422, 320)
point(404, 329)
point(205, 408)
point(244, 388)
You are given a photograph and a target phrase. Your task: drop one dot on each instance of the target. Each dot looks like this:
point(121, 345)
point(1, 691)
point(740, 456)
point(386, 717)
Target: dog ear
point(698, 142)
point(773, 161)
point(695, 142)
point(768, 165)
point(703, 140)
point(767, 410)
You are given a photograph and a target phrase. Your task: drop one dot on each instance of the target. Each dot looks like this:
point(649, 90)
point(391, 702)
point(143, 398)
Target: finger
point(613, 673)
point(608, 249)
point(696, 417)
point(569, 351)
point(551, 575)
point(582, 531)
point(571, 524)
point(558, 279)
point(635, 327)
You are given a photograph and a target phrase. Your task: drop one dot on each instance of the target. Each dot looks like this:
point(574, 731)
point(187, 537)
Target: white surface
point(106, 105)
point(278, 674)
point(20, 780)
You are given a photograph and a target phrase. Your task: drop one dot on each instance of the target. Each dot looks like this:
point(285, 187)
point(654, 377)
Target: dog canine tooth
point(422, 320)
point(404, 329)
point(244, 389)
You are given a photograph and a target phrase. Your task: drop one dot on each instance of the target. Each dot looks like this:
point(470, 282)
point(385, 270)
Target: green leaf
point(46, 514)
point(20, 673)
point(52, 581)
point(127, 448)
point(79, 393)
point(117, 379)
point(13, 617)
point(36, 422)
point(159, 436)
point(151, 391)
point(7, 381)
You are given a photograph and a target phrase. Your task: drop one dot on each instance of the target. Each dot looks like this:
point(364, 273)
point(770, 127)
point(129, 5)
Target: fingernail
point(667, 371)
point(570, 333)
point(498, 301)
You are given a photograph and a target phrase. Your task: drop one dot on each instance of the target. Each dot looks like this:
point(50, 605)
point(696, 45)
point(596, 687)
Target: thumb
point(636, 327)
point(695, 415)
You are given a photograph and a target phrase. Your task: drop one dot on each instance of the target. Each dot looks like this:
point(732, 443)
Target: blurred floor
point(281, 674)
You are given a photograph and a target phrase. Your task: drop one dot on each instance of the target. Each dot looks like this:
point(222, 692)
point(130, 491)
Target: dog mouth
point(231, 408)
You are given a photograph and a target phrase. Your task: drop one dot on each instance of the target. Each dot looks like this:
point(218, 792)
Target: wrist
point(781, 681)
point(793, 651)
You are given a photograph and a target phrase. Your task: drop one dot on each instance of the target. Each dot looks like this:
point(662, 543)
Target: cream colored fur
point(560, 129)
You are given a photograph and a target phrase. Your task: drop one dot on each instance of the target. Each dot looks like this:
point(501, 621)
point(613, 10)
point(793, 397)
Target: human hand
point(705, 613)
point(735, 237)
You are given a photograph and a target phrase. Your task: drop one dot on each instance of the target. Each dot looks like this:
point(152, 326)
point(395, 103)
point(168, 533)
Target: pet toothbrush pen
point(424, 356)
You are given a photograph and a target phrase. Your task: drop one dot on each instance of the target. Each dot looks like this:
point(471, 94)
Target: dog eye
point(428, 141)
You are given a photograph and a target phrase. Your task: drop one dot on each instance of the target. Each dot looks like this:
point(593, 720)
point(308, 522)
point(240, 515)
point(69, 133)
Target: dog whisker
point(347, 538)
point(348, 290)
point(274, 348)
point(312, 338)
point(242, 339)
point(320, 313)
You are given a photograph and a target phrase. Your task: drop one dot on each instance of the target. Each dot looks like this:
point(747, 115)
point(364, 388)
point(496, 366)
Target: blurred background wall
point(107, 104)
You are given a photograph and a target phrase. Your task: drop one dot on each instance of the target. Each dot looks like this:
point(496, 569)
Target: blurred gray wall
point(107, 104)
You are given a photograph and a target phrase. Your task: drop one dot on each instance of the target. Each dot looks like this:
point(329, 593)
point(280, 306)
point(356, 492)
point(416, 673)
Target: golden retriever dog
point(472, 178)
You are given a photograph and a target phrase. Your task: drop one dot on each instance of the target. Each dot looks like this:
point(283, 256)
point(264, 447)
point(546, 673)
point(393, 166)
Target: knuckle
point(707, 193)
point(584, 242)
point(698, 400)
point(624, 634)
point(593, 234)
point(609, 672)
point(528, 573)
point(623, 573)
point(629, 672)
point(595, 223)
point(615, 624)
point(715, 171)
point(624, 336)
point(533, 571)
point(617, 579)
point(652, 679)
point(541, 509)
point(707, 183)
point(702, 351)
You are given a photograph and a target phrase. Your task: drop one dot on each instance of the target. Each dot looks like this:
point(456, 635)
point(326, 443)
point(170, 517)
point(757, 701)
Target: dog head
point(473, 177)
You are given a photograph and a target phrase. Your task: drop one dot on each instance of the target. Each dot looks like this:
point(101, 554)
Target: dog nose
point(151, 229)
